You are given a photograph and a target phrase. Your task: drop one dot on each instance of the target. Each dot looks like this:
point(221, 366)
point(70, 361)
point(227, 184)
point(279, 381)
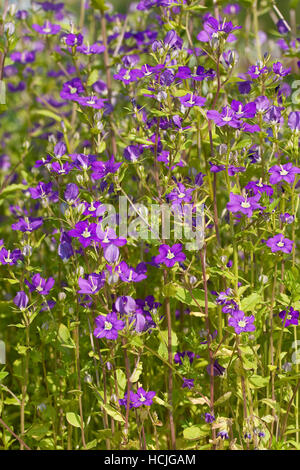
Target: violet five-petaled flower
point(280, 243)
point(169, 255)
point(108, 326)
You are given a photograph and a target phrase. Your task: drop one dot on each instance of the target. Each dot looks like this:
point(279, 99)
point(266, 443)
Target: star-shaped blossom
point(169, 255)
point(279, 243)
point(241, 323)
point(245, 205)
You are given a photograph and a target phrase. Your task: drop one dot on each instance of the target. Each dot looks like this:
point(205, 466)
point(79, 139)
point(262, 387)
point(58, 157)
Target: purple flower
point(129, 274)
point(125, 305)
point(141, 397)
point(10, 257)
point(209, 418)
point(189, 100)
point(245, 205)
point(243, 111)
point(43, 191)
point(128, 76)
point(244, 87)
point(180, 194)
point(91, 49)
point(284, 172)
point(170, 255)
point(289, 318)
point(257, 187)
point(294, 120)
point(71, 192)
point(101, 169)
point(85, 232)
point(108, 326)
point(188, 383)
point(279, 243)
point(133, 152)
point(212, 27)
point(72, 89)
point(47, 28)
point(28, 224)
point(281, 27)
point(21, 300)
point(41, 285)
point(223, 434)
point(241, 323)
point(91, 102)
point(279, 70)
point(226, 118)
point(92, 284)
point(73, 39)
point(215, 369)
point(25, 57)
point(232, 9)
point(256, 70)
point(179, 356)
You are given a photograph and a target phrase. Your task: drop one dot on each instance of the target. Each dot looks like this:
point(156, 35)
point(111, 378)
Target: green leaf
point(136, 373)
point(64, 337)
point(185, 297)
point(196, 432)
point(99, 5)
point(2, 92)
point(223, 398)
point(258, 382)
point(115, 414)
point(121, 379)
point(3, 374)
point(12, 189)
point(73, 419)
point(93, 77)
point(250, 302)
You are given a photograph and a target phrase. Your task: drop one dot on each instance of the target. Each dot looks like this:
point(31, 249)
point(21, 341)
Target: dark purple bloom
point(209, 418)
point(215, 369)
point(39, 284)
point(128, 76)
point(47, 28)
point(244, 204)
point(71, 192)
point(129, 274)
point(179, 356)
point(180, 194)
point(188, 383)
point(281, 26)
point(91, 49)
point(10, 257)
point(241, 323)
point(125, 305)
point(25, 57)
point(73, 39)
point(289, 317)
point(257, 187)
point(108, 326)
point(44, 191)
point(92, 284)
point(170, 255)
point(279, 70)
point(72, 89)
point(21, 300)
point(284, 172)
point(142, 398)
point(190, 100)
point(256, 70)
point(28, 224)
point(85, 232)
point(91, 102)
point(226, 118)
point(294, 120)
point(279, 243)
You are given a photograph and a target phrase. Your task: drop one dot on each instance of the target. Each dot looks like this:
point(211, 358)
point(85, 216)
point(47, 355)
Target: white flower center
point(107, 326)
point(86, 233)
point(246, 204)
point(142, 398)
point(170, 255)
point(283, 172)
point(242, 324)
point(280, 244)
